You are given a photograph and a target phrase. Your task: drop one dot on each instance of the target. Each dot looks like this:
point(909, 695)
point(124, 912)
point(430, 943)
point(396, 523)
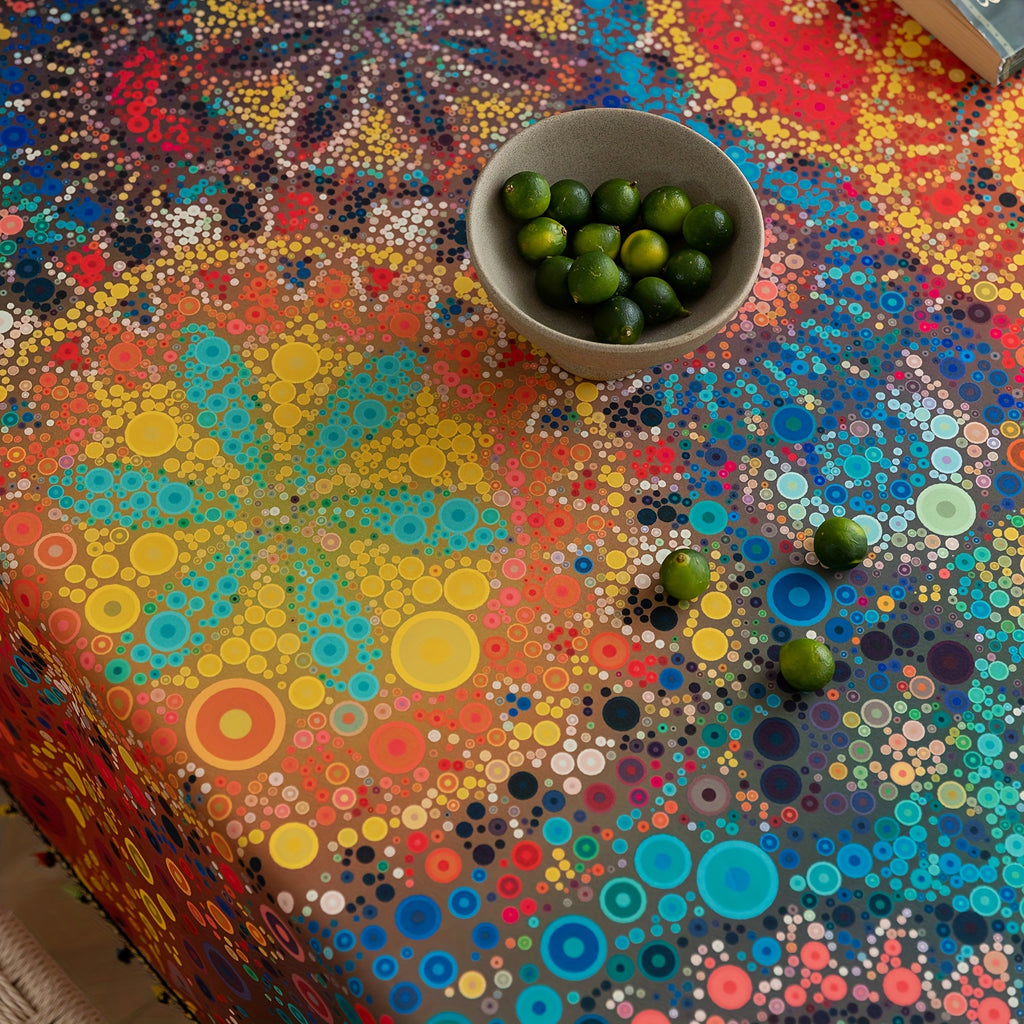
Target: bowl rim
point(543, 334)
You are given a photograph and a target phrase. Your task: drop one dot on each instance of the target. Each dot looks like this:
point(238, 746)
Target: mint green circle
point(946, 510)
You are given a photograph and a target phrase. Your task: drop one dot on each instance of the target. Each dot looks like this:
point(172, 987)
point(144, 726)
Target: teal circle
point(708, 517)
point(824, 878)
point(99, 480)
point(175, 499)
point(662, 861)
point(985, 901)
point(672, 907)
point(856, 467)
point(458, 515)
point(557, 831)
point(363, 686)
point(907, 812)
point(211, 351)
point(410, 528)
point(620, 968)
point(370, 413)
point(167, 631)
point(737, 879)
point(329, 649)
point(539, 1004)
point(623, 900)
point(448, 1017)
point(573, 948)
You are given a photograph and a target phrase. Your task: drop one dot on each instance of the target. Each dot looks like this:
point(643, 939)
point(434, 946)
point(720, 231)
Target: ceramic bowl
point(593, 145)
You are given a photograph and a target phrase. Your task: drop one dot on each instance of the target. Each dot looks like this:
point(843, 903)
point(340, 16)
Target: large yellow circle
point(296, 362)
point(306, 693)
point(427, 461)
point(151, 433)
point(154, 553)
point(113, 608)
point(466, 589)
point(435, 651)
point(293, 845)
point(710, 644)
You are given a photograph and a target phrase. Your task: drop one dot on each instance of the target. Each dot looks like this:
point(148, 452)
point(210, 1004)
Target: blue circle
point(838, 630)
point(573, 948)
point(167, 631)
point(662, 861)
point(793, 423)
point(670, 678)
point(854, 860)
point(766, 950)
point(463, 902)
point(405, 997)
point(756, 549)
point(410, 528)
point(708, 517)
point(737, 879)
point(539, 1004)
point(174, 498)
point(458, 515)
point(486, 935)
point(448, 1017)
point(799, 597)
point(385, 967)
point(418, 917)
point(329, 649)
point(438, 969)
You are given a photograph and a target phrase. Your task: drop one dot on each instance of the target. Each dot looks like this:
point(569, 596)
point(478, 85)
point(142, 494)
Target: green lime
point(541, 237)
point(570, 202)
point(656, 298)
point(551, 281)
point(597, 238)
point(806, 665)
point(643, 252)
point(708, 227)
point(689, 273)
point(625, 283)
point(665, 209)
point(525, 195)
point(593, 277)
point(685, 574)
point(618, 321)
point(615, 201)
point(840, 543)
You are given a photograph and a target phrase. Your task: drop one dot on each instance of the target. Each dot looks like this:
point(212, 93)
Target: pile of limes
point(627, 260)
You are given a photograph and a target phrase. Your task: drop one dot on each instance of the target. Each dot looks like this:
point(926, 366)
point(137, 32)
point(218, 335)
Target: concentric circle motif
point(349, 718)
point(418, 917)
point(278, 927)
point(708, 795)
point(623, 900)
point(574, 948)
point(662, 861)
point(293, 845)
point(235, 724)
point(799, 597)
point(397, 747)
point(226, 972)
point(539, 1004)
point(435, 651)
point(658, 961)
point(946, 510)
point(737, 880)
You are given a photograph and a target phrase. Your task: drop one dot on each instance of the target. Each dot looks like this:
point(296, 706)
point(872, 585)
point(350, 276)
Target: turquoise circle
point(824, 878)
point(363, 686)
point(662, 861)
point(708, 517)
point(799, 597)
point(175, 499)
point(737, 879)
point(539, 1004)
point(856, 467)
point(329, 649)
point(370, 413)
point(99, 480)
point(167, 631)
point(448, 1017)
point(672, 907)
point(907, 812)
point(985, 901)
point(623, 900)
point(557, 831)
point(211, 351)
point(410, 528)
point(854, 860)
point(458, 515)
point(989, 745)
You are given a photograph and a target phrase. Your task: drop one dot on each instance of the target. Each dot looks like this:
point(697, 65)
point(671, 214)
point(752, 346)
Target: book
point(987, 35)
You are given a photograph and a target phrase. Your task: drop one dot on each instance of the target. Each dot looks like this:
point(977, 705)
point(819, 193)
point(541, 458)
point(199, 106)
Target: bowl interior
point(591, 146)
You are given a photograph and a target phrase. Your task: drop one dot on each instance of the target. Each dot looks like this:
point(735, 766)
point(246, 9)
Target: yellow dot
point(472, 985)
point(209, 665)
point(410, 568)
point(709, 644)
point(372, 586)
point(348, 837)
point(295, 362)
point(151, 433)
point(470, 472)
point(435, 651)
point(716, 605)
point(427, 461)
point(306, 692)
point(112, 608)
point(293, 845)
point(287, 415)
point(615, 559)
point(235, 723)
point(206, 448)
point(154, 553)
point(586, 392)
point(547, 734)
point(414, 817)
point(375, 829)
point(271, 595)
point(427, 590)
point(234, 650)
point(105, 566)
point(722, 88)
point(282, 391)
point(466, 589)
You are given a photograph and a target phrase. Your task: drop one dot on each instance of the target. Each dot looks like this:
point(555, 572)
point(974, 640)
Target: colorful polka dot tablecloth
point(335, 659)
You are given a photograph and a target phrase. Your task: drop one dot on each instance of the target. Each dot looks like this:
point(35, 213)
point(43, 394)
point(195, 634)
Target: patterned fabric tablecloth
point(334, 659)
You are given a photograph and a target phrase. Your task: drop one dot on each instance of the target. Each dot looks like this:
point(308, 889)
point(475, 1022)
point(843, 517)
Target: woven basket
point(33, 989)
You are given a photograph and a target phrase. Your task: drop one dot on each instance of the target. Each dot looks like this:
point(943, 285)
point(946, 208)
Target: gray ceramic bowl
point(593, 145)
